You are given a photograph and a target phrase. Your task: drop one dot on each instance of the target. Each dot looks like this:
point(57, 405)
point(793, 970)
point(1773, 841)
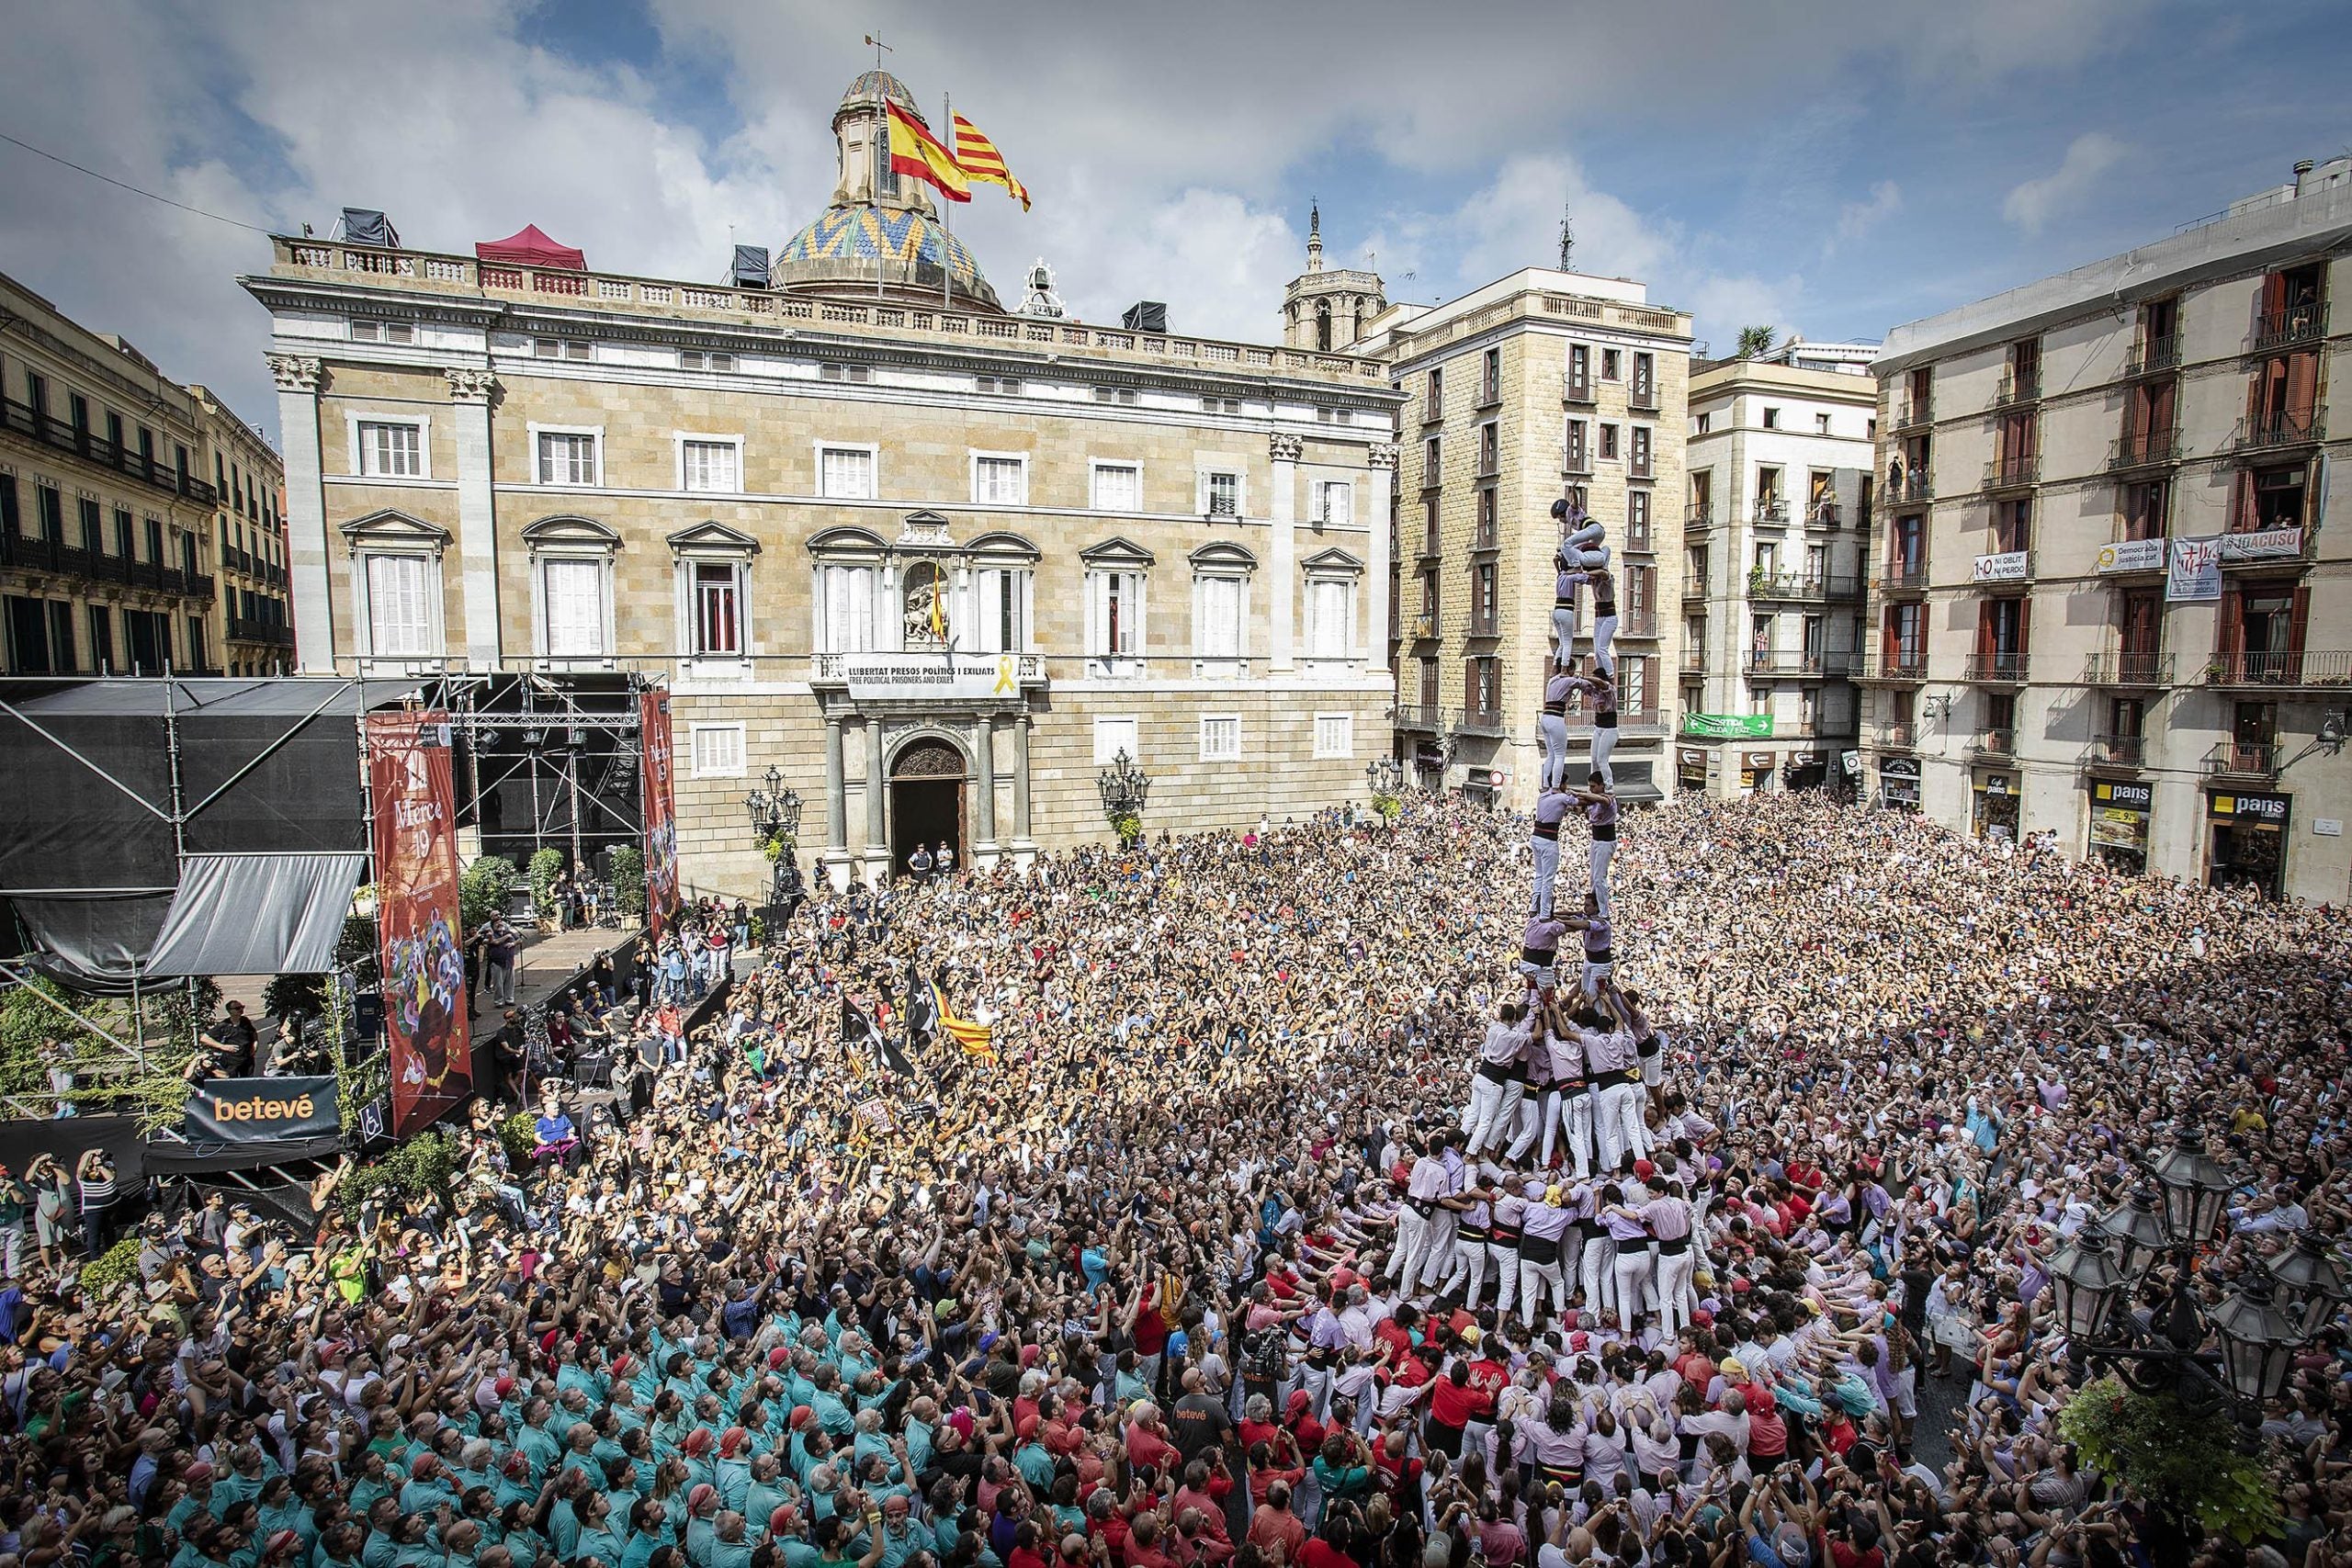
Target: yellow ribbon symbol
point(1004, 681)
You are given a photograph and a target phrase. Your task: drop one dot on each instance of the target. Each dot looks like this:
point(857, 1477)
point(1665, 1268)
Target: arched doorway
point(926, 801)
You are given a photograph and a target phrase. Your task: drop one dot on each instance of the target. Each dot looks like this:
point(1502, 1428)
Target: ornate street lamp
point(1386, 777)
point(2087, 1283)
point(2311, 1284)
point(2196, 1188)
point(776, 815)
point(2259, 1341)
point(2138, 1228)
point(1125, 788)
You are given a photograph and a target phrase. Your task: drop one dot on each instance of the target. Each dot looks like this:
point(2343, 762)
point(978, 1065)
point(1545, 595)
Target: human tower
point(1547, 1183)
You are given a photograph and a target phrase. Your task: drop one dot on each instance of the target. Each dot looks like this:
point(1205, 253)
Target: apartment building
point(1540, 385)
point(249, 541)
point(106, 557)
point(2112, 595)
point(939, 564)
point(1779, 454)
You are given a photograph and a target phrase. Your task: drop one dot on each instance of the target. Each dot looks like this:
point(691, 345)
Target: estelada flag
point(979, 158)
point(916, 152)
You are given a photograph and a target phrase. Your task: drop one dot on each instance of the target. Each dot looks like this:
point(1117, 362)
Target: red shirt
point(1455, 1408)
point(1148, 1447)
point(1151, 1332)
point(1321, 1553)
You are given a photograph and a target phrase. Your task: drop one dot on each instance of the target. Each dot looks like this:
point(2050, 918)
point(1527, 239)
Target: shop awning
point(530, 247)
point(256, 915)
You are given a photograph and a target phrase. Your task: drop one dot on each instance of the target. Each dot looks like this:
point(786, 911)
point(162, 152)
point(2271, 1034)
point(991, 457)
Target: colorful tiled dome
point(871, 85)
point(844, 242)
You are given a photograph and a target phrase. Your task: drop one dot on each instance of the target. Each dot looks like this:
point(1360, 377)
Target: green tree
point(546, 866)
point(1755, 343)
point(629, 879)
point(2183, 1465)
point(482, 891)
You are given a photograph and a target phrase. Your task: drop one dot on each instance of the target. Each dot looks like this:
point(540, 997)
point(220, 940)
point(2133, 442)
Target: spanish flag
point(975, 1038)
point(979, 158)
point(914, 152)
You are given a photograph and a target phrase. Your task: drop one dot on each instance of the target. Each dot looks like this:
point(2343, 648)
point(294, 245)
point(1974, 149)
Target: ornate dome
point(873, 85)
point(841, 247)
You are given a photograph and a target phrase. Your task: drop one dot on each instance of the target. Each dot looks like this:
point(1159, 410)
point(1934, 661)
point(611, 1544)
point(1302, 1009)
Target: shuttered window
point(574, 602)
point(400, 621)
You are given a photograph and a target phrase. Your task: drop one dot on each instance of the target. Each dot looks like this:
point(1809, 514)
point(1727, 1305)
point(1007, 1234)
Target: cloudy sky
point(1830, 166)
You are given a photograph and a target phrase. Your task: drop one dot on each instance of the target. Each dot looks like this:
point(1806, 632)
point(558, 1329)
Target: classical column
point(1374, 636)
point(470, 393)
point(878, 843)
point(836, 856)
point(306, 513)
point(1022, 841)
point(1282, 588)
point(984, 804)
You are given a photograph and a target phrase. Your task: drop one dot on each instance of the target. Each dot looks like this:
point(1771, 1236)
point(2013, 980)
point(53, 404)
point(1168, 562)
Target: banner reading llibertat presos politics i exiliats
point(414, 806)
point(660, 810)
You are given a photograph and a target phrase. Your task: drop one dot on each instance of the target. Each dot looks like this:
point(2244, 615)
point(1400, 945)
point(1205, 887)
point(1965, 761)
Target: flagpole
point(881, 135)
point(946, 124)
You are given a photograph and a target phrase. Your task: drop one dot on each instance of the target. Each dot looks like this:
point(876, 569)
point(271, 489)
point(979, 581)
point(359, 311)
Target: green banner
point(1728, 726)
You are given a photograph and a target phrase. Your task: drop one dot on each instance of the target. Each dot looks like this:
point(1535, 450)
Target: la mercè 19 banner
point(416, 911)
point(660, 810)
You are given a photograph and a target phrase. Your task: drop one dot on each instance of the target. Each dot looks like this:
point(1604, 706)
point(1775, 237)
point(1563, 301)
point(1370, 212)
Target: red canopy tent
point(529, 247)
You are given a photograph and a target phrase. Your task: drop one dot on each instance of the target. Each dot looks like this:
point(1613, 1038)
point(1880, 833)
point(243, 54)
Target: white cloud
point(1857, 218)
point(2032, 205)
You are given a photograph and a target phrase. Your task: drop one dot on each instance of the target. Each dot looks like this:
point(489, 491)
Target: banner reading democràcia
point(255, 1110)
point(660, 810)
point(414, 807)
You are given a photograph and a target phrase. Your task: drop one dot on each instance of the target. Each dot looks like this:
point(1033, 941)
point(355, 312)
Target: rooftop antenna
point(1567, 238)
point(875, 41)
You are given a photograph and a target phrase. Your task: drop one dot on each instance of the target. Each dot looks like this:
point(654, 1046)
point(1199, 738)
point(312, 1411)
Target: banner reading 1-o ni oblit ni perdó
point(414, 805)
point(660, 810)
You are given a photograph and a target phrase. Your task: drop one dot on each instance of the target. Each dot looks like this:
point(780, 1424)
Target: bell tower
point(1325, 310)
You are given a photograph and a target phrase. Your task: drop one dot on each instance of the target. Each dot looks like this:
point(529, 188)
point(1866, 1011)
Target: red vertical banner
point(415, 806)
point(660, 810)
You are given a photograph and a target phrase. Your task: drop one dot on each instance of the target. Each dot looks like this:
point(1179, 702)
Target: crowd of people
point(1227, 1246)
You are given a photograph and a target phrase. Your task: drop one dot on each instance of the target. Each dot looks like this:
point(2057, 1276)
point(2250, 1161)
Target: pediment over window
point(395, 530)
point(1115, 552)
point(571, 530)
point(848, 542)
point(1333, 562)
point(712, 538)
point(1224, 555)
point(1002, 545)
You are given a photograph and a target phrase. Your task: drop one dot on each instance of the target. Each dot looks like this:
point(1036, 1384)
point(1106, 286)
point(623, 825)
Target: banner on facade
point(2266, 543)
point(1728, 726)
point(881, 677)
point(661, 809)
point(260, 1111)
point(414, 808)
point(2007, 567)
point(2245, 806)
point(2133, 555)
point(2125, 795)
point(2195, 575)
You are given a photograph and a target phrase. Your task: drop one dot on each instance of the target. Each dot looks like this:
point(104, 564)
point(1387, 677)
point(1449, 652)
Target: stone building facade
point(1538, 386)
point(257, 625)
point(2111, 592)
point(937, 566)
point(106, 515)
point(1778, 507)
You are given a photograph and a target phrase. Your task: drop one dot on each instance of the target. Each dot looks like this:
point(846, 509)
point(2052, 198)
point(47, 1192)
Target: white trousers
point(1492, 1105)
point(1413, 1240)
point(1604, 631)
point(1594, 973)
point(1676, 1294)
point(1632, 1265)
point(1598, 1271)
point(1534, 1280)
point(1582, 539)
point(1552, 730)
point(1564, 632)
point(1603, 849)
point(1617, 1123)
point(1504, 1256)
point(1437, 1251)
point(1470, 1267)
point(1529, 1123)
point(1576, 1122)
point(1547, 871)
point(1604, 741)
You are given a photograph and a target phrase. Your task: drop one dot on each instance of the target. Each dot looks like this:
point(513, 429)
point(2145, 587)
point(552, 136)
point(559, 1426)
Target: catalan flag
point(979, 158)
point(976, 1039)
point(916, 152)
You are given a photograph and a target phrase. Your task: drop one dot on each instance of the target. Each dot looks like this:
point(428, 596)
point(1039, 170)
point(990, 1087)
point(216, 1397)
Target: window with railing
point(1637, 521)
